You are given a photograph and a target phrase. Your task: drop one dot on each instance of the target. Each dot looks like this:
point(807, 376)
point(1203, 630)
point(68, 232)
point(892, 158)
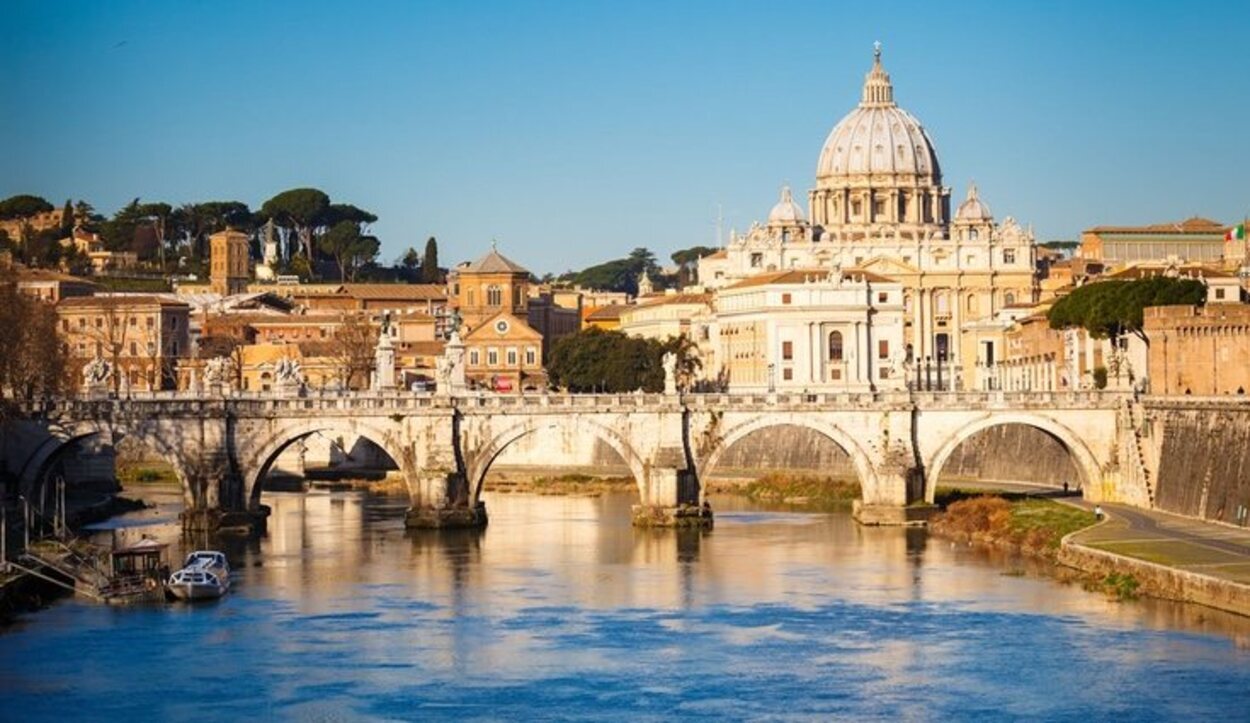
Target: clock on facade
point(501, 326)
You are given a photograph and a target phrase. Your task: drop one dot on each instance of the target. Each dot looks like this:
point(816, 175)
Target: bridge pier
point(672, 499)
point(215, 520)
point(441, 500)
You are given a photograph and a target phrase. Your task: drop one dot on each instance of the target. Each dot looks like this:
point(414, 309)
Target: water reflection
point(561, 608)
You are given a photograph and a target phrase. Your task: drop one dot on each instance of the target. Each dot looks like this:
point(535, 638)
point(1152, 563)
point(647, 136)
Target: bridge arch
point(56, 443)
point(1086, 463)
point(478, 465)
point(256, 464)
point(858, 455)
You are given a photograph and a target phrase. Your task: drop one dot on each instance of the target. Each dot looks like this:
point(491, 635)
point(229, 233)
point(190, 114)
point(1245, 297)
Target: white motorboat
point(204, 576)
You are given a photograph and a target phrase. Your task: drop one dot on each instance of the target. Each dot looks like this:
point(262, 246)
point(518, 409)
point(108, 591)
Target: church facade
point(879, 206)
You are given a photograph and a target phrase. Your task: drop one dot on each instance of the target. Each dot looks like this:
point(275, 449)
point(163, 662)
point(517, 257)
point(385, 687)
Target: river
point(561, 609)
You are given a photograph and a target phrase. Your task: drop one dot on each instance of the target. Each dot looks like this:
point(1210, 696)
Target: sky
point(572, 132)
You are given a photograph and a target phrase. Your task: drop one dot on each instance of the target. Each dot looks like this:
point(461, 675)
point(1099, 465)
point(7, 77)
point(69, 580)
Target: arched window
point(1009, 298)
point(972, 303)
point(941, 303)
point(973, 235)
point(493, 296)
point(835, 346)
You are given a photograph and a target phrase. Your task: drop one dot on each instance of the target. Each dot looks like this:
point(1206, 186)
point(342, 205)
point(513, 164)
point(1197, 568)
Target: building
point(15, 228)
point(504, 354)
point(1194, 240)
point(1223, 287)
point(491, 285)
point(102, 261)
point(664, 316)
point(1200, 350)
point(811, 329)
point(606, 318)
point(229, 274)
point(143, 337)
point(51, 286)
point(879, 205)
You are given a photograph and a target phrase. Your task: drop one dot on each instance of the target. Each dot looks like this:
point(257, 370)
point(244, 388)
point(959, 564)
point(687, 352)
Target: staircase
point(1137, 453)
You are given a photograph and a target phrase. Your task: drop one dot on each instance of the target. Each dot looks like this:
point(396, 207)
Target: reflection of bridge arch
point(479, 465)
point(1086, 464)
point(256, 465)
point(859, 457)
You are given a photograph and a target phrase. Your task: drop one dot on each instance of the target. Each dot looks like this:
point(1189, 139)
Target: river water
point(561, 610)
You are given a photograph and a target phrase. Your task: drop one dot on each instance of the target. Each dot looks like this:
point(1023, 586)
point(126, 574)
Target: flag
point(1236, 233)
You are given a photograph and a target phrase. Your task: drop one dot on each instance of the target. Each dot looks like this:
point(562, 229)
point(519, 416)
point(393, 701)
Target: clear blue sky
point(575, 131)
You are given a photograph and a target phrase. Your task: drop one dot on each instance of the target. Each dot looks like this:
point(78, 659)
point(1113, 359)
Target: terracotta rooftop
point(407, 292)
point(805, 276)
point(495, 262)
point(607, 313)
point(1190, 225)
point(662, 299)
point(98, 301)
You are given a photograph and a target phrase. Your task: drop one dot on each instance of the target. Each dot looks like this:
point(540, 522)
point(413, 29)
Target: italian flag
point(1236, 233)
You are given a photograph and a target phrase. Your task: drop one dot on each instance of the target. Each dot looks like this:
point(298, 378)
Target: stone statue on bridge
point(218, 371)
point(95, 375)
point(669, 361)
point(288, 374)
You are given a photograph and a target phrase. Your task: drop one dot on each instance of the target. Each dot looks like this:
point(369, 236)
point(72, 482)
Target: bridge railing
point(401, 401)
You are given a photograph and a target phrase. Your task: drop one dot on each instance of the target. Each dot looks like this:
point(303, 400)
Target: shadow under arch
point(1086, 464)
point(479, 465)
point(859, 458)
point(55, 448)
point(259, 464)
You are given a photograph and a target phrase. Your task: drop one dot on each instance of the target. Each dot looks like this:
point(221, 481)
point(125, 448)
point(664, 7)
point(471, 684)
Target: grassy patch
point(568, 484)
point(1028, 523)
point(819, 493)
point(146, 474)
point(1116, 585)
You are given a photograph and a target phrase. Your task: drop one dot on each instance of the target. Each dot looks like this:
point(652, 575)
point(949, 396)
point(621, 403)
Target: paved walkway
point(1180, 542)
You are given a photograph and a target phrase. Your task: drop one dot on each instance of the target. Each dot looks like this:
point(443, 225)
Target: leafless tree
point(353, 348)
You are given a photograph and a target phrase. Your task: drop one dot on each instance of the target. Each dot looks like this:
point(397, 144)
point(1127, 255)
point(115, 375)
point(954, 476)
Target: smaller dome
point(786, 212)
point(973, 208)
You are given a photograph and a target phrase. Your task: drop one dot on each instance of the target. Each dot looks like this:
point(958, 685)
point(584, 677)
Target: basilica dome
point(973, 208)
point(878, 138)
point(786, 212)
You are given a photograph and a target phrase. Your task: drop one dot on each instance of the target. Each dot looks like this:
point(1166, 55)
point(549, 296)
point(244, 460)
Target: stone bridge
point(223, 447)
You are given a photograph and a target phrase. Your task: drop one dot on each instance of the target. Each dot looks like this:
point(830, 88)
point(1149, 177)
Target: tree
point(23, 206)
point(118, 233)
point(430, 273)
point(348, 247)
point(1110, 309)
point(598, 360)
point(67, 219)
point(352, 350)
point(35, 362)
point(618, 274)
point(687, 261)
point(410, 266)
point(299, 209)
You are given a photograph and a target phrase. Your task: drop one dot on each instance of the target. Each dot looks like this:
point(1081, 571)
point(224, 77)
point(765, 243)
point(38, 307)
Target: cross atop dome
point(878, 93)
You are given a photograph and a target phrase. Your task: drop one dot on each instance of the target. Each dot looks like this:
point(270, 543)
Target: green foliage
point(298, 209)
point(618, 274)
point(348, 247)
point(1100, 377)
point(134, 285)
point(1109, 309)
point(610, 361)
point(67, 219)
point(23, 206)
point(687, 261)
point(430, 272)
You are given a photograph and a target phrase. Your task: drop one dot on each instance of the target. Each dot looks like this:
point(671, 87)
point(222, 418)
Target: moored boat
point(205, 575)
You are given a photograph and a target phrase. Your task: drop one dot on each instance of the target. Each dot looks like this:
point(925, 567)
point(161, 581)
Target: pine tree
point(67, 219)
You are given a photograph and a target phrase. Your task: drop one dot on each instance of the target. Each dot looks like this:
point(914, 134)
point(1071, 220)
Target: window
point(470, 298)
point(494, 297)
point(787, 350)
point(531, 358)
point(82, 349)
point(878, 208)
point(64, 324)
point(1009, 256)
point(835, 346)
point(883, 373)
point(173, 349)
point(1009, 298)
point(757, 260)
point(943, 346)
point(973, 235)
point(151, 347)
point(133, 321)
point(941, 303)
point(151, 322)
point(787, 374)
point(173, 323)
point(473, 357)
point(883, 348)
point(99, 323)
point(516, 295)
point(82, 322)
point(971, 304)
point(512, 357)
point(134, 349)
point(855, 206)
point(492, 357)
point(882, 297)
point(1219, 293)
point(785, 298)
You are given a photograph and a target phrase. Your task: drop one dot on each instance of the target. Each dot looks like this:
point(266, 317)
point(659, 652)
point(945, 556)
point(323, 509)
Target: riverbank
point(797, 491)
point(573, 485)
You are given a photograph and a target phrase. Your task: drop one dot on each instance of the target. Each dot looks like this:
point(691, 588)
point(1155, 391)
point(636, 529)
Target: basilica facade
point(879, 206)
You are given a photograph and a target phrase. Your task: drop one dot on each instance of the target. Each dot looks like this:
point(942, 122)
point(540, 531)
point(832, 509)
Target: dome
point(878, 137)
point(973, 208)
point(786, 212)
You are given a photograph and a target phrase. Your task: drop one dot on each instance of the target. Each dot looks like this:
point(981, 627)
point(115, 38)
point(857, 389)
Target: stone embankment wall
point(1203, 467)
point(1158, 580)
point(786, 447)
point(1012, 453)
